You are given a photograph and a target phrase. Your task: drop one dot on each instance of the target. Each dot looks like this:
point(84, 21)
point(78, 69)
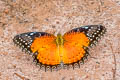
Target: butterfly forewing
point(93, 32)
point(25, 40)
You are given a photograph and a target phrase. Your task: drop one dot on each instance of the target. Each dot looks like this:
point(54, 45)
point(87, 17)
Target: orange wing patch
point(47, 50)
point(73, 46)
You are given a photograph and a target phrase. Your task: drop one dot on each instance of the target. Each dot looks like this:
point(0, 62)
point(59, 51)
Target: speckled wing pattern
point(42, 46)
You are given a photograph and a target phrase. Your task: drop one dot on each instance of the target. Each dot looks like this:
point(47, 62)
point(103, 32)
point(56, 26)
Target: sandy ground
point(54, 16)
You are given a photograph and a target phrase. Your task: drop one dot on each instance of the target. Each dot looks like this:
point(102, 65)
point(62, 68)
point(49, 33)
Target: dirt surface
point(59, 16)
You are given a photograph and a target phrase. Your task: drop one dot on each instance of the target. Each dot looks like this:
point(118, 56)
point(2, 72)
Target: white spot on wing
point(25, 43)
point(92, 27)
point(77, 30)
point(31, 33)
point(86, 27)
point(39, 34)
point(97, 31)
point(26, 35)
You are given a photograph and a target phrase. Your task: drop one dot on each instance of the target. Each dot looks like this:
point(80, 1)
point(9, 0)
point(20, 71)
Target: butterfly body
point(52, 52)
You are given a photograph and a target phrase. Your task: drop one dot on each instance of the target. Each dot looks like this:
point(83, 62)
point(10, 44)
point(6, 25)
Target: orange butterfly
point(53, 53)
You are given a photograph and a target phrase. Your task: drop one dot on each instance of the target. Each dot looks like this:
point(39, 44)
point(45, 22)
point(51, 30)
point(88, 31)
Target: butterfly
point(52, 52)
